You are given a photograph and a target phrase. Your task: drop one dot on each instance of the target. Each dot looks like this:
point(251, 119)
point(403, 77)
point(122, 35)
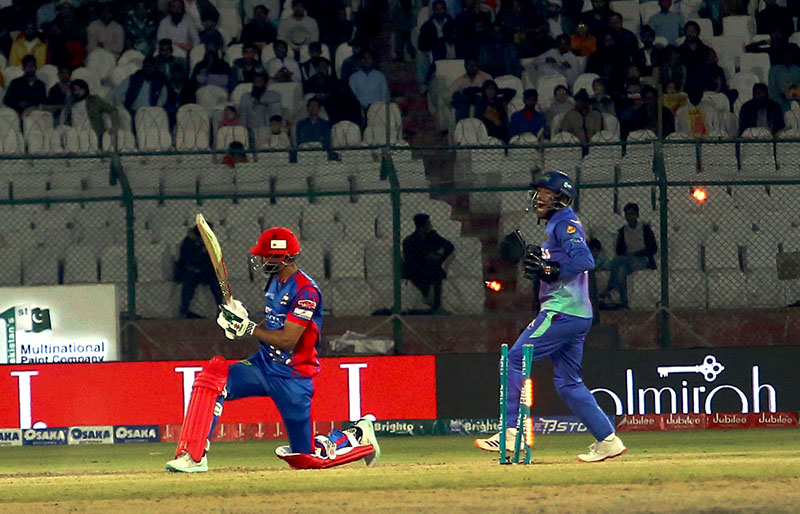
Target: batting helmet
point(560, 184)
point(275, 242)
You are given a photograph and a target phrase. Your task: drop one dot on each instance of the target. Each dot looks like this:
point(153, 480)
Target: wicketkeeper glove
point(534, 266)
point(233, 319)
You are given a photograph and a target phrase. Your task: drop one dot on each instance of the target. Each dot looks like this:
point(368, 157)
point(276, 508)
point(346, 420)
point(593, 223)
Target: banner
point(157, 393)
point(59, 324)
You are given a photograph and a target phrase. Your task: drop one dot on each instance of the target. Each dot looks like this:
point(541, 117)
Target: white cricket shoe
point(493, 443)
point(608, 448)
point(368, 437)
point(183, 463)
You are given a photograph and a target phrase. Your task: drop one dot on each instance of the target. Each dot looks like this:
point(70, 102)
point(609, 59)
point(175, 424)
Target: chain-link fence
point(721, 213)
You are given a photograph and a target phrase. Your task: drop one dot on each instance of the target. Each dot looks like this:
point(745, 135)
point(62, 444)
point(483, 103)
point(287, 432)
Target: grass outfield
point(703, 471)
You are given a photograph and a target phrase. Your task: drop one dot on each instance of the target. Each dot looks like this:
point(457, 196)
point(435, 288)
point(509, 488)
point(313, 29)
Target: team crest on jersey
point(571, 229)
point(285, 299)
point(303, 313)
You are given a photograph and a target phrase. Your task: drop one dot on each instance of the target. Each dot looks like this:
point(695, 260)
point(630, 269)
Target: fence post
point(127, 199)
point(661, 172)
point(388, 170)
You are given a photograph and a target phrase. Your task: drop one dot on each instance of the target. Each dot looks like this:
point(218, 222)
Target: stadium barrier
point(722, 213)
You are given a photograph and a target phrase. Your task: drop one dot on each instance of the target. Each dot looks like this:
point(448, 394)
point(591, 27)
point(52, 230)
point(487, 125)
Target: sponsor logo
point(639, 422)
point(783, 419)
point(277, 244)
point(285, 299)
point(571, 229)
point(303, 313)
point(136, 434)
point(90, 435)
point(474, 426)
point(307, 304)
point(44, 436)
point(10, 437)
point(396, 427)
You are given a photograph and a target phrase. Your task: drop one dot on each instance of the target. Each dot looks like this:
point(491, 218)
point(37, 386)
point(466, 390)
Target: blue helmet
point(560, 184)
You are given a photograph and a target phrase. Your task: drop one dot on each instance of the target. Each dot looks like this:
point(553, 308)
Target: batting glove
point(233, 319)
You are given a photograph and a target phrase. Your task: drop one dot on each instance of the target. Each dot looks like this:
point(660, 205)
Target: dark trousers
point(425, 284)
point(190, 286)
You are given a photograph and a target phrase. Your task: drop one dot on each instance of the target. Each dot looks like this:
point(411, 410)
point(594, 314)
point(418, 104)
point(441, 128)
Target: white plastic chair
point(196, 54)
point(239, 91)
point(545, 86)
point(226, 135)
point(343, 51)
point(743, 82)
point(757, 63)
point(584, 80)
point(102, 62)
point(344, 134)
point(470, 131)
point(211, 96)
point(743, 27)
point(131, 56)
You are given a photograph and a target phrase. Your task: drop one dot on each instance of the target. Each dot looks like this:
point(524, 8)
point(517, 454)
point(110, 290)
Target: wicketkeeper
point(561, 264)
point(283, 369)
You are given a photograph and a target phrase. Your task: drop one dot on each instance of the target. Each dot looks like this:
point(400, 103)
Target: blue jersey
point(298, 300)
point(565, 243)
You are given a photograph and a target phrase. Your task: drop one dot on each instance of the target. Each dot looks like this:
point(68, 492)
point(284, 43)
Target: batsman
point(561, 264)
point(283, 369)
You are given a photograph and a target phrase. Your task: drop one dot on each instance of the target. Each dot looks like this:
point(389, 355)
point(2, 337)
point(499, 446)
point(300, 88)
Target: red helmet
point(276, 241)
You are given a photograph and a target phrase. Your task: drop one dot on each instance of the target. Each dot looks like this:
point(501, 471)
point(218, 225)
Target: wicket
point(524, 420)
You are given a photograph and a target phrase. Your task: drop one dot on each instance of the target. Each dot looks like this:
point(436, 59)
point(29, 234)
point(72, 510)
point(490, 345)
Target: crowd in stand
point(665, 75)
point(601, 75)
point(166, 54)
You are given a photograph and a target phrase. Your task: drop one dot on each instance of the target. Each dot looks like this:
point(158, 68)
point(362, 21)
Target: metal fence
point(120, 218)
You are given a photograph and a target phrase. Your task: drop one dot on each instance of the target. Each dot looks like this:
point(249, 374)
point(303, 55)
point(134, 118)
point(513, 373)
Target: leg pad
point(207, 387)
point(309, 461)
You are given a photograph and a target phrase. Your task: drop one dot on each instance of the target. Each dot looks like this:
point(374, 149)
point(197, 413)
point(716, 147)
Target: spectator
point(626, 40)
point(596, 19)
point(350, 65)
point(278, 139)
point(694, 56)
point(46, 12)
point(491, 109)
point(368, 84)
point(696, 117)
point(298, 29)
point(145, 88)
point(282, 68)
point(514, 19)
point(193, 269)
point(26, 92)
point(61, 91)
point(197, 9)
point(257, 107)
point(713, 78)
point(61, 52)
point(106, 33)
point(782, 75)
point(650, 107)
point(29, 42)
point(84, 110)
point(602, 100)
point(212, 70)
point(673, 99)
point(636, 249)
point(559, 61)
point(639, 111)
point(465, 90)
point(180, 91)
point(556, 23)
point(650, 54)
point(259, 30)
point(178, 27)
point(498, 57)
point(236, 154)
point(424, 251)
point(774, 17)
point(334, 95)
point(528, 119)
point(210, 35)
point(672, 70)
point(760, 111)
point(141, 27)
point(245, 68)
point(167, 63)
point(582, 121)
point(665, 23)
point(307, 69)
point(582, 43)
point(230, 118)
point(313, 128)
point(436, 34)
point(340, 31)
point(562, 104)
point(404, 20)
point(611, 63)
point(471, 27)
point(5, 39)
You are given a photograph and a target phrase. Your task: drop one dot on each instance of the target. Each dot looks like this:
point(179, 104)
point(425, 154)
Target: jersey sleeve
point(303, 306)
point(572, 239)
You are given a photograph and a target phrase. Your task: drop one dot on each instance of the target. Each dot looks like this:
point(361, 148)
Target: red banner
point(640, 423)
point(145, 393)
point(684, 421)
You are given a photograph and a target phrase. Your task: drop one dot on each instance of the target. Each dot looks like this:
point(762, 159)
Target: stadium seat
point(345, 134)
point(706, 27)
point(758, 159)
point(630, 15)
point(376, 117)
point(718, 160)
point(122, 72)
point(347, 260)
point(226, 135)
point(346, 297)
point(47, 74)
point(757, 63)
point(232, 53)
point(101, 62)
point(637, 164)
point(470, 131)
point(10, 73)
point(728, 47)
point(131, 56)
point(566, 158)
point(304, 55)
point(230, 24)
point(239, 91)
point(343, 51)
point(646, 10)
point(510, 82)
point(599, 165)
point(126, 141)
point(584, 80)
point(209, 97)
point(11, 271)
point(743, 27)
point(644, 290)
point(80, 265)
point(546, 86)
point(41, 268)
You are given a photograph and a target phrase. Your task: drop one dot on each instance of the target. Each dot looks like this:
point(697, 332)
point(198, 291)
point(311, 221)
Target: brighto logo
point(689, 399)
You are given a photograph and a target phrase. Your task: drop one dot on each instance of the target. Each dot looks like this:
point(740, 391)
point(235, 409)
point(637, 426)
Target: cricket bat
point(215, 254)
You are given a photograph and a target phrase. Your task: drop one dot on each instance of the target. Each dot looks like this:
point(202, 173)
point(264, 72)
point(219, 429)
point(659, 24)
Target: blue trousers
point(292, 396)
point(559, 336)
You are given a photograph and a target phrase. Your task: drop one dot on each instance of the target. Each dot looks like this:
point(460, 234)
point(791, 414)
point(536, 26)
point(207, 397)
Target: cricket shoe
point(368, 437)
point(608, 448)
point(183, 463)
point(493, 443)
